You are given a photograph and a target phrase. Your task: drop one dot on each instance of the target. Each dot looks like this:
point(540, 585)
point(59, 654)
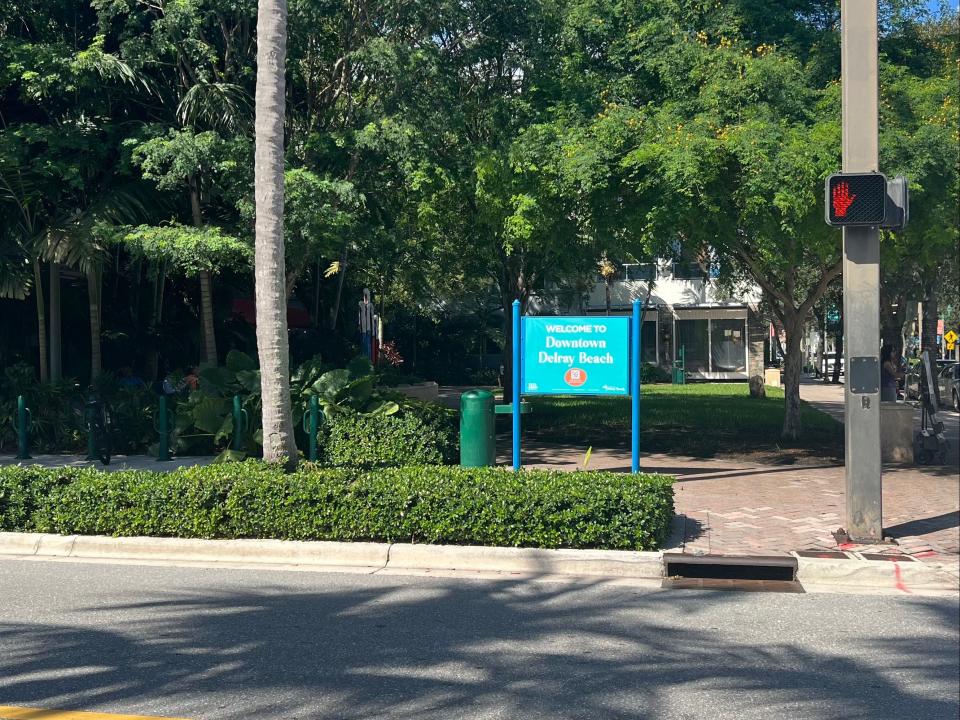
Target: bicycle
point(99, 421)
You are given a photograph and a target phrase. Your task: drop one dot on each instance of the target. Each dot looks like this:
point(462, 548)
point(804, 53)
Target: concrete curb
point(903, 575)
point(534, 561)
point(371, 556)
point(815, 574)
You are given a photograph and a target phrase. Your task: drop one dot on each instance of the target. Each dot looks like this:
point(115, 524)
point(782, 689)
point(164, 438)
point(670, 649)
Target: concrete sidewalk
point(828, 398)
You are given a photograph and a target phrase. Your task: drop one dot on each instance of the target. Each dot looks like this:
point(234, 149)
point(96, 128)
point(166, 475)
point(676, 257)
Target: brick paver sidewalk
point(736, 507)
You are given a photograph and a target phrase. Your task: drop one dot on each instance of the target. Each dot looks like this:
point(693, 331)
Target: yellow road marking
point(24, 713)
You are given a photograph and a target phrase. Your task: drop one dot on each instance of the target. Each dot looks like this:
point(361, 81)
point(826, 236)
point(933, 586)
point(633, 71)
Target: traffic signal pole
point(861, 277)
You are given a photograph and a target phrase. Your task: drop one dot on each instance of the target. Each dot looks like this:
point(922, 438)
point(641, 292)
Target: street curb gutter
point(371, 556)
point(851, 575)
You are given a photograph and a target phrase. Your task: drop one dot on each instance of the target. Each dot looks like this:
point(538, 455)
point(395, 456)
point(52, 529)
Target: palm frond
point(219, 106)
point(16, 276)
point(108, 67)
point(82, 237)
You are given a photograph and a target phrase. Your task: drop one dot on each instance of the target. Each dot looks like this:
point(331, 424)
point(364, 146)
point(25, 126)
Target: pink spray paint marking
point(898, 576)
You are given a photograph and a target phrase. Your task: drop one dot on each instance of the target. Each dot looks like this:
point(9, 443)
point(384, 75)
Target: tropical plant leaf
point(228, 456)
point(359, 367)
point(208, 414)
point(217, 105)
point(357, 392)
point(331, 383)
point(237, 361)
point(218, 379)
point(226, 429)
point(383, 407)
point(250, 380)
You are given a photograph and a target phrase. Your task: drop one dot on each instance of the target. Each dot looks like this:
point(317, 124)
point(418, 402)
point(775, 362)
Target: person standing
point(889, 371)
point(365, 322)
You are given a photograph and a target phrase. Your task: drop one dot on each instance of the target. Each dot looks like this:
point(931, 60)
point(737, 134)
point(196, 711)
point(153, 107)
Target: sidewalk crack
point(386, 562)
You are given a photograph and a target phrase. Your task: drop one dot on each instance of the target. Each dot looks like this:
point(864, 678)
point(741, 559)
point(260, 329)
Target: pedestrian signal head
point(856, 199)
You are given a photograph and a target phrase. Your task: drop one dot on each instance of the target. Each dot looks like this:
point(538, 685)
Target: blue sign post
point(598, 355)
point(635, 324)
point(516, 384)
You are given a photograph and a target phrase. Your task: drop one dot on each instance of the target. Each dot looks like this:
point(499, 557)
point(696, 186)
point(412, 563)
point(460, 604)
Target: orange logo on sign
point(575, 377)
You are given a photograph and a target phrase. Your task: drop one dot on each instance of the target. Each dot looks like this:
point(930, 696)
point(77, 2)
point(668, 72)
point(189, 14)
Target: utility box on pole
point(861, 271)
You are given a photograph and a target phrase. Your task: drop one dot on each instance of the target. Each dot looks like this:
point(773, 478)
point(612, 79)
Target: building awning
point(710, 313)
point(649, 315)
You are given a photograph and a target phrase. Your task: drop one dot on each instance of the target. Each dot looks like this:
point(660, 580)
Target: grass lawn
point(699, 420)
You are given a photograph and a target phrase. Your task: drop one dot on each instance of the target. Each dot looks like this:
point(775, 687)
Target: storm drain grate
point(730, 567)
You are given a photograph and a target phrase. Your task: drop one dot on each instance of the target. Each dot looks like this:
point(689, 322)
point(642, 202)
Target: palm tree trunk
point(343, 272)
point(56, 355)
point(206, 285)
point(93, 296)
point(269, 266)
point(156, 316)
point(41, 321)
point(206, 307)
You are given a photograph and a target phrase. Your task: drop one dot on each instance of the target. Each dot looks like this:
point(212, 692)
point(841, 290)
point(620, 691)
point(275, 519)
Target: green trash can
point(478, 438)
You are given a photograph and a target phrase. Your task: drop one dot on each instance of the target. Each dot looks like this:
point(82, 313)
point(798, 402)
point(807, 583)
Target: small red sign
point(575, 377)
point(842, 199)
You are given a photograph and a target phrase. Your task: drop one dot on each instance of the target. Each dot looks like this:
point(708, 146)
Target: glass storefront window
point(692, 337)
point(728, 345)
point(648, 341)
point(718, 346)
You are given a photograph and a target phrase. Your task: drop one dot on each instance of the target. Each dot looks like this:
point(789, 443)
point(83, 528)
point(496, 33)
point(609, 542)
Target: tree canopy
point(454, 156)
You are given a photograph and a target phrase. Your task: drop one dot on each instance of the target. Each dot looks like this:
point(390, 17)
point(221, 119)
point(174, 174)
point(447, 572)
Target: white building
point(722, 337)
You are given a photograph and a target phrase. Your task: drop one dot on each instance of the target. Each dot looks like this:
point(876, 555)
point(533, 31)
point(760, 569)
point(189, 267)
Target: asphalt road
point(223, 643)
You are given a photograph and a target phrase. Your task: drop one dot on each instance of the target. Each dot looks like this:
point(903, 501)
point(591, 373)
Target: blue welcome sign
point(576, 356)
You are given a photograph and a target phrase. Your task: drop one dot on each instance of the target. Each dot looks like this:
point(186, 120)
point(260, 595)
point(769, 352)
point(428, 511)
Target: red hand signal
point(842, 199)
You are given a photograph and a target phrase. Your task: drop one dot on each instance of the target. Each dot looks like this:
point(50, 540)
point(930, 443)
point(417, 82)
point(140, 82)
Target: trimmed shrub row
point(420, 434)
point(440, 504)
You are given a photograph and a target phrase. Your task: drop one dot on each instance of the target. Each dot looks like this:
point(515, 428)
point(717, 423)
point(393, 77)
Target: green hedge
point(420, 434)
point(482, 506)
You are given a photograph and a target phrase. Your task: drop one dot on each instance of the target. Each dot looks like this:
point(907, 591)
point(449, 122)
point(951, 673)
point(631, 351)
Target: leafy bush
point(651, 373)
point(420, 434)
point(59, 416)
point(480, 506)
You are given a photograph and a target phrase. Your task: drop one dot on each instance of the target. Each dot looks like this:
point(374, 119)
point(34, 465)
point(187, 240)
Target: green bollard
point(478, 440)
point(91, 408)
point(24, 419)
point(311, 424)
point(680, 368)
point(163, 427)
point(239, 424)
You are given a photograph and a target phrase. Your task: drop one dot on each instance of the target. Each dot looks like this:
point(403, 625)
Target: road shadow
point(444, 650)
point(924, 525)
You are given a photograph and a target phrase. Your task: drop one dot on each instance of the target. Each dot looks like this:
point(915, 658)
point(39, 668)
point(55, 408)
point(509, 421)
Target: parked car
point(827, 361)
point(949, 382)
point(912, 382)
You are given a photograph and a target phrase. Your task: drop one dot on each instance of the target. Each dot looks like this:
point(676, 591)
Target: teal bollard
point(239, 424)
point(680, 368)
point(311, 424)
point(163, 427)
point(24, 419)
point(91, 408)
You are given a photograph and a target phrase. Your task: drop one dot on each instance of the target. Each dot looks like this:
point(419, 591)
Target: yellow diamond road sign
point(950, 337)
